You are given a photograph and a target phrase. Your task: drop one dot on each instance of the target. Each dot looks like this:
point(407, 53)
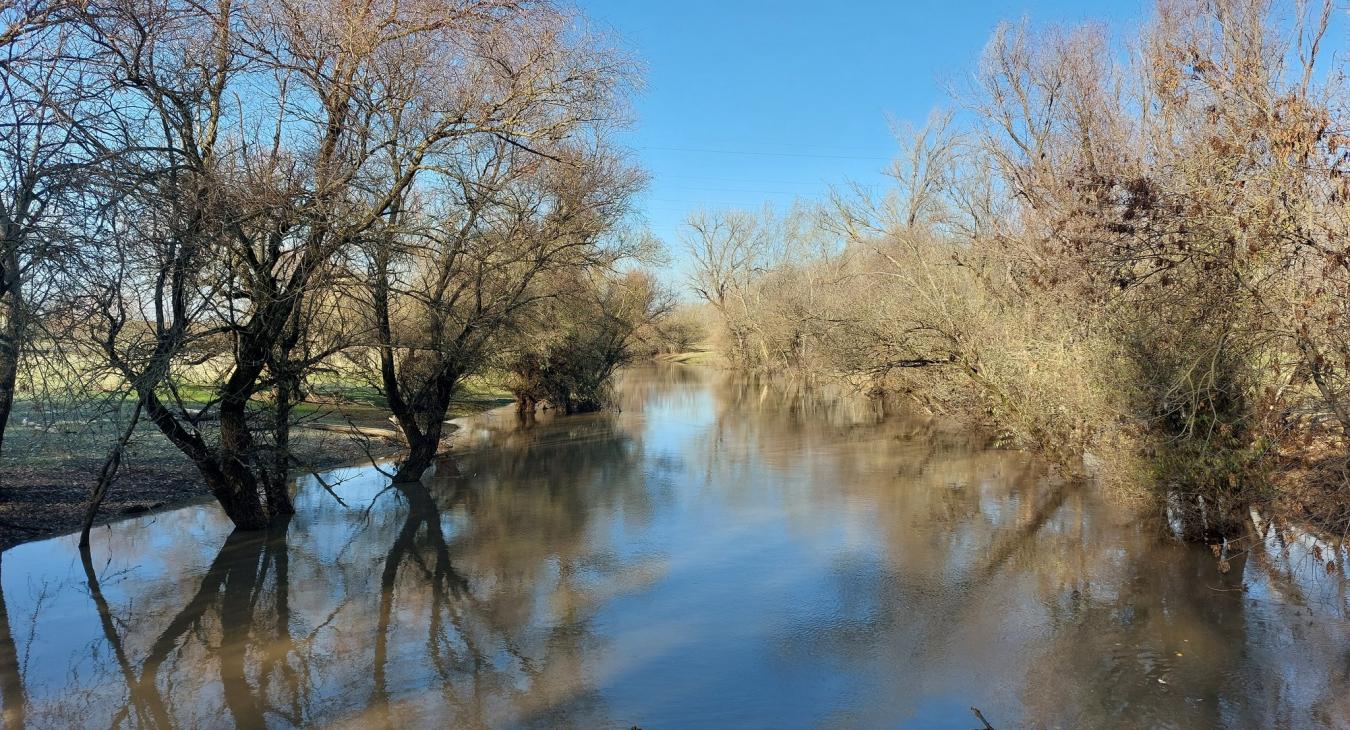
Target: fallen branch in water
point(980, 716)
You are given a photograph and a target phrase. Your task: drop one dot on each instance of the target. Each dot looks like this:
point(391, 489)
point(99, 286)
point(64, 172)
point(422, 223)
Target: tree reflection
point(143, 696)
point(983, 550)
point(11, 678)
point(477, 605)
point(421, 544)
point(1144, 645)
point(239, 611)
point(485, 564)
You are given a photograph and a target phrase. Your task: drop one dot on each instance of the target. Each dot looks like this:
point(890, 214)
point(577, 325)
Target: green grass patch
point(694, 357)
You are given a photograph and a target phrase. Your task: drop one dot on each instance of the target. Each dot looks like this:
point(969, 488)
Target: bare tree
point(1131, 254)
point(579, 340)
point(443, 298)
point(726, 250)
point(44, 157)
point(241, 211)
point(923, 169)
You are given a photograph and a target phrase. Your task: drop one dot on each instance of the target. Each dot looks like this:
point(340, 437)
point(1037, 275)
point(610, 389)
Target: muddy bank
point(45, 495)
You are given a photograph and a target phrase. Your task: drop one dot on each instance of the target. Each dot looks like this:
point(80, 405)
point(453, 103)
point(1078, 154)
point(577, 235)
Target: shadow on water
point(716, 553)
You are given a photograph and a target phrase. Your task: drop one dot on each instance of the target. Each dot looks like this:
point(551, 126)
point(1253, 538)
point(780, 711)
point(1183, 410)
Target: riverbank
point(48, 468)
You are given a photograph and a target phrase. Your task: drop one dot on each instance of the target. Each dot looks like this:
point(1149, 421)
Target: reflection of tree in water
point(473, 599)
point(1162, 631)
point(841, 447)
point(983, 551)
point(466, 600)
point(639, 387)
point(11, 680)
point(543, 482)
point(495, 560)
point(239, 613)
point(420, 547)
point(1141, 648)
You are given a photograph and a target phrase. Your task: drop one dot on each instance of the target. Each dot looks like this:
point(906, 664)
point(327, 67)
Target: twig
point(980, 716)
point(322, 482)
point(107, 474)
point(364, 442)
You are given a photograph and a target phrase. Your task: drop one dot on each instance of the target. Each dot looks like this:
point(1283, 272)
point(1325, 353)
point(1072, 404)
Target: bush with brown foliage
point(1137, 256)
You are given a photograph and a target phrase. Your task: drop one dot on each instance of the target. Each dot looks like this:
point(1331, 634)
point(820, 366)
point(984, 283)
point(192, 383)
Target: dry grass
point(702, 356)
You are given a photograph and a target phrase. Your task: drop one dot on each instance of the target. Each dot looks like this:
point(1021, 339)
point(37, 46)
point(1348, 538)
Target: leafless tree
point(489, 252)
point(726, 250)
point(270, 127)
point(45, 155)
point(579, 340)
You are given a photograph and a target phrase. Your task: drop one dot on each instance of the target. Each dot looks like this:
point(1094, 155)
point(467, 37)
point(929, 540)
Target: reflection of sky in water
point(717, 554)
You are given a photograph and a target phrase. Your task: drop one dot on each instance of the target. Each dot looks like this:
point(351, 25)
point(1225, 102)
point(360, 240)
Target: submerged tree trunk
point(276, 485)
point(1210, 520)
point(424, 442)
point(249, 504)
point(421, 414)
point(421, 417)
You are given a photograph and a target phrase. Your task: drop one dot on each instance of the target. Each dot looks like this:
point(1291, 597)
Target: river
point(717, 553)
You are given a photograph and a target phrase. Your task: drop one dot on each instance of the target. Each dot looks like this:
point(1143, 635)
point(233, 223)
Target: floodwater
point(717, 554)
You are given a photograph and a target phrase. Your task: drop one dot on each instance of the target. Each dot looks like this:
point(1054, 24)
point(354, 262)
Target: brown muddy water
point(718, 554)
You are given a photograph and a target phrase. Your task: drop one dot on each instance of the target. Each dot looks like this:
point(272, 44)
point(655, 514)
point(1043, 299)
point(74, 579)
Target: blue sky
point(748, 101)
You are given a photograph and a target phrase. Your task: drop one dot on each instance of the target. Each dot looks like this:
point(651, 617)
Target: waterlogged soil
point(715, 553)
point(50, 464)
point(44, 488)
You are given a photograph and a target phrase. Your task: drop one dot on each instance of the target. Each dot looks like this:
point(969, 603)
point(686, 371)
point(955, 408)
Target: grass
point(53, 450)
point(475, 394)
point(698, 356)
point(60, 436)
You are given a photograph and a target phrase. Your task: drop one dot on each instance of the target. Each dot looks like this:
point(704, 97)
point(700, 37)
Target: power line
point(729, 190)
point(661, 202)
point(741, 180)
point(763, 153)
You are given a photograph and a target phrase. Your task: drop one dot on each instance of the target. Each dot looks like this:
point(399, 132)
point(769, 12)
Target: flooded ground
point(718, 554)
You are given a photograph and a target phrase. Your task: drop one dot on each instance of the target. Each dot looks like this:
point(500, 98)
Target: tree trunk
point(422, 450)
point(250, 503)
point(1316, 370)
point(11, 338)
point(228, 476)
point(241, 496)
point(277, 481)
point(9, 372)
point(420, 417)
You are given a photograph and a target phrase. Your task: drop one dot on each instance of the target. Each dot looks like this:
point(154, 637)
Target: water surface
point(717, 554)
